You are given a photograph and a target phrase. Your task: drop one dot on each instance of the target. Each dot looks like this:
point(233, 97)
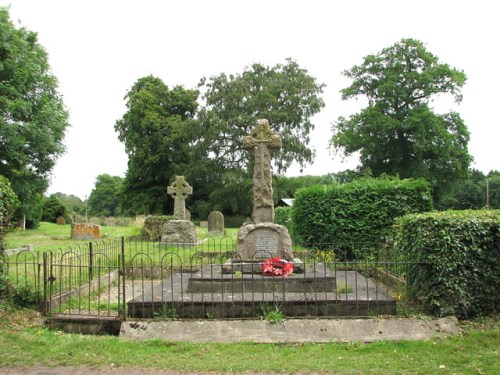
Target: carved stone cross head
point(179, 190)
point(262, 135)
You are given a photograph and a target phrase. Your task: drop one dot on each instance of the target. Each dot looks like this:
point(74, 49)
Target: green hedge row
point(359, 212)
point(461, 255)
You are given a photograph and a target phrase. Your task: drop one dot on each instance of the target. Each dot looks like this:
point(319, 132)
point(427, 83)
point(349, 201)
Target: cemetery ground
point(28, 347)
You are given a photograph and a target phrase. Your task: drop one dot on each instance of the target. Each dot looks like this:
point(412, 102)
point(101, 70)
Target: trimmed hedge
point(359, 212)
point(461, 255)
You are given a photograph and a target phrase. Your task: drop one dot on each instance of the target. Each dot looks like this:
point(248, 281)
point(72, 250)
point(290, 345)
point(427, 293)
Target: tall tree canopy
point(165, 135)
point(284, 94)
point(32, 115)
point(156, 131)
point(398, 133)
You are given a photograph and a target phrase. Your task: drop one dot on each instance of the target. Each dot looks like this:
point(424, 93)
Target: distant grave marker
point(216, 223)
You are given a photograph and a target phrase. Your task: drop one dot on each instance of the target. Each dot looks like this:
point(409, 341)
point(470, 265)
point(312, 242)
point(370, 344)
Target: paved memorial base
point(290, 331)
point(316, 292)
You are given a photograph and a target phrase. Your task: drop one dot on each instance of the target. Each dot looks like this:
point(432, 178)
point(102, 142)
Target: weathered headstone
point(216, 223)
point(61, 220)
point(82, 231)
point(262, 239)
point(203, 224)
point(179, 190)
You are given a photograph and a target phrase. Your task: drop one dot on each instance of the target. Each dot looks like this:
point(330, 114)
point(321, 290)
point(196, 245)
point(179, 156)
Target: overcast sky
point(99, 48)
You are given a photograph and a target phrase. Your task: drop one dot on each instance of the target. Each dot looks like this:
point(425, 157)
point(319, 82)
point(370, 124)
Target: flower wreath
point(277, 267)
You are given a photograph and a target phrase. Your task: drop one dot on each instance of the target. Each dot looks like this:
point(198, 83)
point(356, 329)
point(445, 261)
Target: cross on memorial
point(179, 190)
point(261, 143)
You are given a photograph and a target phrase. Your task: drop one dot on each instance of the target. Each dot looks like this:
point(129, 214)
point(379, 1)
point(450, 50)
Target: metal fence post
point(91, 270)
point(121, 276)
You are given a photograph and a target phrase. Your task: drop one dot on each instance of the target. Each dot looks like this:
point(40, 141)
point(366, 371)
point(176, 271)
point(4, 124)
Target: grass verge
point(475, 350)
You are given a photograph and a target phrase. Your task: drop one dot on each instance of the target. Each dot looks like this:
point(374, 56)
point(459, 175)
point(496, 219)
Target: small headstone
point(61, 220)
point(110, 221)
point(216, 223)
point(203, 224)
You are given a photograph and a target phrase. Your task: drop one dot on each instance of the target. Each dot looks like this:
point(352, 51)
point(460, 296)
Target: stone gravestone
point(83, 231)
point(61, 220)
point(179, 190)
point(180, 230)
point(216, 223)
point(262, 239)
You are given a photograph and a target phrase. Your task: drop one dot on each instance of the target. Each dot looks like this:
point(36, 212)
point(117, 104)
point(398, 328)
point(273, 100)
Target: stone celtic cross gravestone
point(261, 143)
point(179, 190)
point(180, 230)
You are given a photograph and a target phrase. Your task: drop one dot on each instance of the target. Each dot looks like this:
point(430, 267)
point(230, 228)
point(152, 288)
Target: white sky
point(99, 48)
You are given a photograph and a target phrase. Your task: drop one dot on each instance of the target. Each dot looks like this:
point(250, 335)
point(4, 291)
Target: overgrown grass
point(475, 350)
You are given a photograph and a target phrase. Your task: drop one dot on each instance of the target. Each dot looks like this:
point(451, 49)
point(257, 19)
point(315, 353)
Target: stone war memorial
point(262, 269)
point(262, 238)
point(180, 230)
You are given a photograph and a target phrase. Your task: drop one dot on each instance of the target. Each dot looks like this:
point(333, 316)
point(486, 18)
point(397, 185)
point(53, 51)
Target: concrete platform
point(210, 293)
point(289, 331)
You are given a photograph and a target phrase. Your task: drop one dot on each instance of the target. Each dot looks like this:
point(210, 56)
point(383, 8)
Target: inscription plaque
point(261, 243)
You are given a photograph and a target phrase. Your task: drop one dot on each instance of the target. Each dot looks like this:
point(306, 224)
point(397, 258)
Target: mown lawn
point(49, 236)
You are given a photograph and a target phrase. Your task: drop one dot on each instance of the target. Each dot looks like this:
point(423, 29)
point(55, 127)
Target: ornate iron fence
point(149, 279)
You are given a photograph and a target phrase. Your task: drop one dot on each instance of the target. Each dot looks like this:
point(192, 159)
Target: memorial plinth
point(260, 241)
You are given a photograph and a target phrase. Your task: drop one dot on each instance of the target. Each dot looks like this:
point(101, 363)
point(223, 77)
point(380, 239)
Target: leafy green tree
point(284, 94)
point(72, 203)
point(156, 131)
point(32, 115)
point(8, 204)
point(494, 189)
point(398, 133)
point(105, 198)
point(52, 208)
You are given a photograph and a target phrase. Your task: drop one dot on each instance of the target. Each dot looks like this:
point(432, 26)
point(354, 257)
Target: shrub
point(234, 221)
point(153, 227)
point(458, 255)
point(360, 212)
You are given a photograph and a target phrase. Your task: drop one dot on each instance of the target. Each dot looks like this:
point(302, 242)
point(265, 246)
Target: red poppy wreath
point(277, 267)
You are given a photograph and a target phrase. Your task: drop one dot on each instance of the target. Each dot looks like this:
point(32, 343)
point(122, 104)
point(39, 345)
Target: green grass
point(49, 236)
point(475, 351)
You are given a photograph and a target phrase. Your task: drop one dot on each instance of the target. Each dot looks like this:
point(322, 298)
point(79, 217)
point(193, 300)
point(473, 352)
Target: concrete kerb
point(289, 331)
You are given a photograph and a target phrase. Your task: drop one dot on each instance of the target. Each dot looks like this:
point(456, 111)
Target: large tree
point(156, 131)
point(284, 94)
point(398, 133)
point(105, 198)
point(32, 115)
